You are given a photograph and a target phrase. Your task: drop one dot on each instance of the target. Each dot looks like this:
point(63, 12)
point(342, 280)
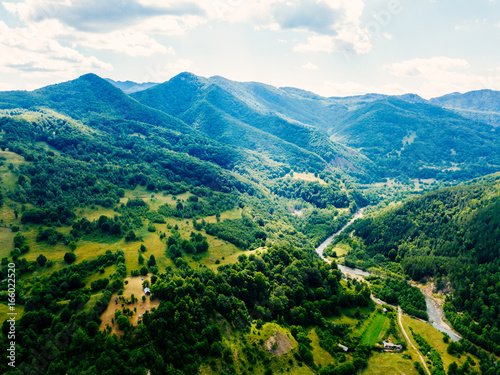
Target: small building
point(344, 348)
point(147, 291)
point(384, 310)
point(391, 346)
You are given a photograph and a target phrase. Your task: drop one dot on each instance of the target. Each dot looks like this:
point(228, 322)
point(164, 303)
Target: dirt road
point(409, 342)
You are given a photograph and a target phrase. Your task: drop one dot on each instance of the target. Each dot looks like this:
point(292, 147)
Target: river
point(436, 315)
point(434, 310)
point(329, 240)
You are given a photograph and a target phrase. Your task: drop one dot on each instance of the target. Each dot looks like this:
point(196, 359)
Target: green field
point(321, 356)
point(389, 364)
point(375, 330)
point(435, 339)
point(4, 309)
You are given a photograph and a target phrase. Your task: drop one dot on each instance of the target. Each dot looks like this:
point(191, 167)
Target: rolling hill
point(213, 194)
point(419, 140)
point(481, 105)
point(221, 115)
point(449, 236)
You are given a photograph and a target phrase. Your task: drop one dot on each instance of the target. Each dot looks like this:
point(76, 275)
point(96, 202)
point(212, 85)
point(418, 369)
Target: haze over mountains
point(405, 134)
point(369, 137)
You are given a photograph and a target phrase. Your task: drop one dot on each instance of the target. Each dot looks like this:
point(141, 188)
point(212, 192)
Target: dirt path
point(378, 301)
point(408, 339)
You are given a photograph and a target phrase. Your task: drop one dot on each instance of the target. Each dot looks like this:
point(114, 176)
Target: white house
point(390, 345)
point(147, 291)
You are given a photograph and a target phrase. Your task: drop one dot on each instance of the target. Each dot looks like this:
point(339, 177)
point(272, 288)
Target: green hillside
point(480, 105)
point(418, 140)
point(450, 235)
point(214, 194)
point(223, 116)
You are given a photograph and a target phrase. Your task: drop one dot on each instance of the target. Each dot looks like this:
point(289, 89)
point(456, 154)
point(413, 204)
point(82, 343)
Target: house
point(147, 291)
point(391, 346)
point(344, 348)
point(384, 310)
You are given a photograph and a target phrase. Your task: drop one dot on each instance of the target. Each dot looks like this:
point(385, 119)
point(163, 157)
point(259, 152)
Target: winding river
point(434, 310)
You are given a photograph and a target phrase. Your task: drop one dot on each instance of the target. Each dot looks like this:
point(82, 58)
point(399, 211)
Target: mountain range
point(369, 137)
point(213, 195)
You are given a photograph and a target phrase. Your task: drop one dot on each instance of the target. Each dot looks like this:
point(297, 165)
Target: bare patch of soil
point(279, 344)
point(134, 287)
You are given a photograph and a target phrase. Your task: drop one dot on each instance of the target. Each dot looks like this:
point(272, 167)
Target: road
point(408, 340)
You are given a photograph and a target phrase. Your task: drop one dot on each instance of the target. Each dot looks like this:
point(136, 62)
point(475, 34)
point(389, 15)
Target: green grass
point(307, 177)
point(374, 330)
point(90, 247)
point(6, 244)
point(390, 364)
point(235, 213)
point(4, 309)
point(435, 339)
point(108, 271)
point(92, 301)
point(255, 340)
point(320, 355)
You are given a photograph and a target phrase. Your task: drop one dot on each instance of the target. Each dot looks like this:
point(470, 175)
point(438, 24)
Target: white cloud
point(342, 89)
point(309, 66)
point(441, 75)
point(428, 68)
point(350, 37)
point(162, 73)
point(130, 43)
point(317, 43)
point(179, 66)
point(33, 54)
point(7, 86)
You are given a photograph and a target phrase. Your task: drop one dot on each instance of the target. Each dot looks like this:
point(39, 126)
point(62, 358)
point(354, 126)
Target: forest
point(173, 231)
point(452, 236)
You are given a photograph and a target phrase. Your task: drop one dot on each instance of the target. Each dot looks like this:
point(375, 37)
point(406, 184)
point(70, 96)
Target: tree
point(143, 248)
point(202, 246)
point(453, 369)
point(72, 245)
point(41, 259)
point(144, 271)
point(141, 259)
point(69, 257)
point(130, 236)
point(152, 261)
point(123, 322)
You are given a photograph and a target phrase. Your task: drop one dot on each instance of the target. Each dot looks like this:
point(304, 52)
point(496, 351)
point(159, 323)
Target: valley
point(277, 231)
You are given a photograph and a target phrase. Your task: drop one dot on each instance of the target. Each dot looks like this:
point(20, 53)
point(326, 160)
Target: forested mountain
point(210, 108)
point(372, 136)
point(481, 105)
point(451, 235)
point(98, 189)
point(129, 87)
point(212, 194)
point(421, 141)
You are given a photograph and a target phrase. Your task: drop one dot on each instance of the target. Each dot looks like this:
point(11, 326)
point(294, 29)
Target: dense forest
point(452, 236)
point(173, 231)
point(285, 285)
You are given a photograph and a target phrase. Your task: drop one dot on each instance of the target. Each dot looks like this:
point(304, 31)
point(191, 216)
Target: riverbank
point(321, 248)
point(435, 311)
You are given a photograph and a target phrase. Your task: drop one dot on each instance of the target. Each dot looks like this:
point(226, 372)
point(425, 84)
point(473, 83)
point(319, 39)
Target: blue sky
point(331, 47)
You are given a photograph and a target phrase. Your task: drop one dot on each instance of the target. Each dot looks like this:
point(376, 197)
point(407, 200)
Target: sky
point(330, 47)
